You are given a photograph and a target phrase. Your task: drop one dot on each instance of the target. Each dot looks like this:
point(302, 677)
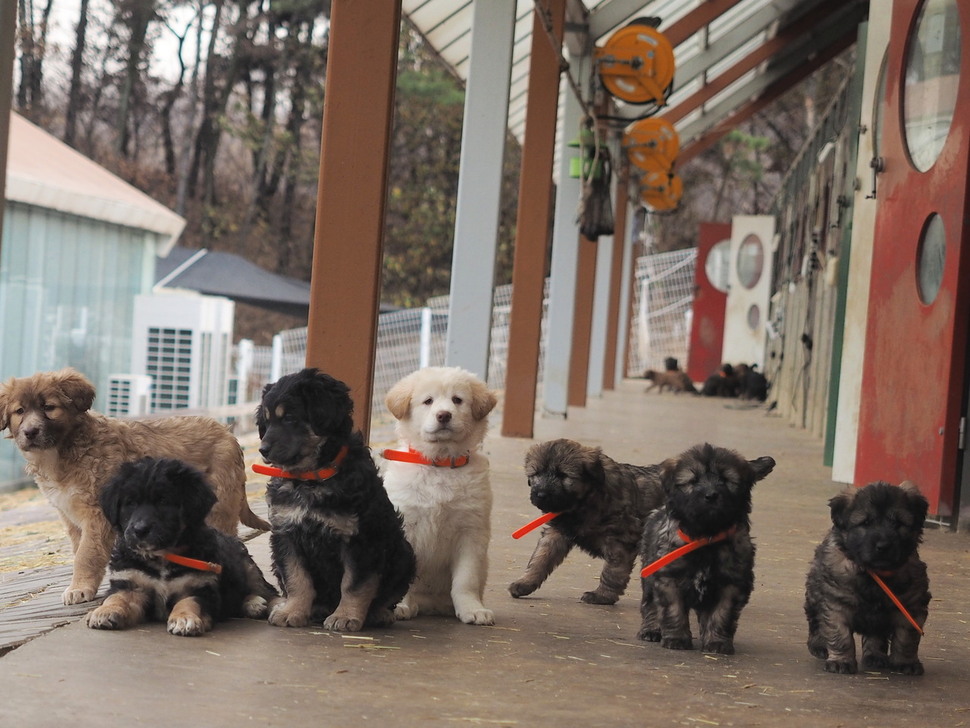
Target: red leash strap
point(895, 600)
point(691, 545)
point(413, 456)
point(193, 563)
point(322, 474)
point(534, 524)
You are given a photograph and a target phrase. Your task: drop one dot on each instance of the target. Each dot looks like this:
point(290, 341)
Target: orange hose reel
point(636, 64)
point(652, 144)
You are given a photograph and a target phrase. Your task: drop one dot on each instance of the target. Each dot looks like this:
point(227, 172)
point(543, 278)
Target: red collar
point(533, 524)
point(192, 563)
point(876, 577)
point(413, 456)
point(691, 545)
point(322, 474)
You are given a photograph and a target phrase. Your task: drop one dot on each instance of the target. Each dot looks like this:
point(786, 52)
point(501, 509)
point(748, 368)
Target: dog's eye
point(19, 411)
point(50, 407)
point(456, 400)
point(428, 402)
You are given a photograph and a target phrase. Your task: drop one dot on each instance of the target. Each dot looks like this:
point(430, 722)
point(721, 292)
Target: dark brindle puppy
point(158, 509)
point(339, 550)
point(673, 379)
point(708, 497)
point(601, 505)
point(875, 529)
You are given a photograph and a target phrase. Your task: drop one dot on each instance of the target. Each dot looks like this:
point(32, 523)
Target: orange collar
point(322, 474)
point(691, 545)
point(892, 597)
point(533, 524)
point(192, 563)
point(413, 456)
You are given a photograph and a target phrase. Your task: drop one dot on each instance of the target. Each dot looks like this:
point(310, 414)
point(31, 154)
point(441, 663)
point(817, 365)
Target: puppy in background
point(876, 532)
point(722, 383)
point(674, 380)
point(338, 545)
point(167, 564)
point(708, 492)
point(601, 504)
point(73, 451)
point(439, 481)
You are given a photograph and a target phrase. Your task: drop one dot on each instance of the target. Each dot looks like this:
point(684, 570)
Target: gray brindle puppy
point(601, 505)
point(708, 497)
point(874, 529)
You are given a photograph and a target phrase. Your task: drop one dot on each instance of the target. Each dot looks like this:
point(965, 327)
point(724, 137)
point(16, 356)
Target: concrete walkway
point(550, 660)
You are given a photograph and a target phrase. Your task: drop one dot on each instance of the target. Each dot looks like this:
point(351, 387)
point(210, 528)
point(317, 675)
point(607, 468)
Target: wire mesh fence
point(414, 338)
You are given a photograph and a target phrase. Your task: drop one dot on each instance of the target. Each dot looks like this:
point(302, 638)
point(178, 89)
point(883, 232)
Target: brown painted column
point(8, 27)
point(582, 324)
point(616, 273)
point(348, 240)
point(532, 227)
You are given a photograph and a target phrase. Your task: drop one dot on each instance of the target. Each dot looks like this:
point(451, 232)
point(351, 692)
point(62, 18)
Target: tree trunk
point(77, 65)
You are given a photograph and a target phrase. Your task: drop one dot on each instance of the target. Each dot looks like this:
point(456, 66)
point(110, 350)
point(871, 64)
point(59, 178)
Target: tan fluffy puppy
point(439, 481)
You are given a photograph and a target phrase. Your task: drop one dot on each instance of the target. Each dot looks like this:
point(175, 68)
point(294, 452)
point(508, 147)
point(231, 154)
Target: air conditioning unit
point(183, 342)
point(129, 395)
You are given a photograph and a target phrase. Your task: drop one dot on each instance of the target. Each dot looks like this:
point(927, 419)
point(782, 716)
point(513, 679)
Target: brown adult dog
point(675, 380)
point(72, 452)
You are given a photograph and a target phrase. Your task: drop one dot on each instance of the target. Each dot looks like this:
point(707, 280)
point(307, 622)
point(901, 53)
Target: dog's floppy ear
point(668, 473)
point(762, 466)
point(5, 404)
point(112, 496)
point(594, 466)
point(915, 501)
point(840, 506)
point(329, 406)
point(398, 398)
point(483, 400)
point(76, 387)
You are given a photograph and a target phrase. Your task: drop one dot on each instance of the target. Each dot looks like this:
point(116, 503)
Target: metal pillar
point(532, 227)
point(480, 185)
point(615, 293)
point(348, 239)
point(601, 308)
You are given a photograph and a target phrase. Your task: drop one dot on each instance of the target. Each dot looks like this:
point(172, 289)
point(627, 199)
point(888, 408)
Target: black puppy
point(708, 503)
point(167, 563)
point(875, 534)
point(339, 551)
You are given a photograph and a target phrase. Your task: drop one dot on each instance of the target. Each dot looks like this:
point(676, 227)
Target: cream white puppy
point(439, 481)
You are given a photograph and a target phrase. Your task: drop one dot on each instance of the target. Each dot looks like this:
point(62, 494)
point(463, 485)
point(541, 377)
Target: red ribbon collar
point(691, 545)
point(413, 456)
point(877, 577)
point(322, 474)
point(196, 564)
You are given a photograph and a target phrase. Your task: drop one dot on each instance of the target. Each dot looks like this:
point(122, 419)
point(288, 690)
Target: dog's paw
point(841, 667)
point(78, 595)
point(875, 662)
point(648, 635)
point(718, 647)
point(405, 611)
point(189, 625)
point(595, 597)
point(477, 616)
point(340, 623)
point(907, 668)
point(677, 643)
point(255, 606)
point(283, 614)
point(521, 588)
point(105, 618)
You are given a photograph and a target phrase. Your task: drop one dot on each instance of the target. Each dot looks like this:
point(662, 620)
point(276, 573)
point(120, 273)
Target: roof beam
point(609, 15)
point(772, 85)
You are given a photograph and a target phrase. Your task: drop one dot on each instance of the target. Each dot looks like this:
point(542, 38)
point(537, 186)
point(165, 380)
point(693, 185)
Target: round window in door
point(931, 259)
point(717, 267)
point(932, 81)
point(751, 261)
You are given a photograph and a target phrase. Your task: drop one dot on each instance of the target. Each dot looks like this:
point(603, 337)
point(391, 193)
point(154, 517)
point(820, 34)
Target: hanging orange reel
point(637, 64)
point(661, 190)
point(652, 144)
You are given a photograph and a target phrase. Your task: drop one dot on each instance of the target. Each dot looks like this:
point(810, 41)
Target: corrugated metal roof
point(739, 28)
point(43, 171)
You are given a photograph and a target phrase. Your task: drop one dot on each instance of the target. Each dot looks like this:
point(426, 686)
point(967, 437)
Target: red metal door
point(710, 298)
point(914, 369)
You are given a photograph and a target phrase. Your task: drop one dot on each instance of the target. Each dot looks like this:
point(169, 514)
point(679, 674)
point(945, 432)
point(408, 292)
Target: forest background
point(214, 108)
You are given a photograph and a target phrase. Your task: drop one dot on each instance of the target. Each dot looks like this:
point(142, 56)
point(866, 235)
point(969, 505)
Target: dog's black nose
point(711, 496)
point(264, 451)
point(31, 433)
point(444, 417)
point(140, 529)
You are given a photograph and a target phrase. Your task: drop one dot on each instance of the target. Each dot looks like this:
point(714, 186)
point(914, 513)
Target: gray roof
point(232, 276)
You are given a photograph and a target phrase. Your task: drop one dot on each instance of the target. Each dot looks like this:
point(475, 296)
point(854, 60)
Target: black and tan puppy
point(601, 505)
point(339, 551)
point(875, 530)
point(708, 492)
point(167, 564)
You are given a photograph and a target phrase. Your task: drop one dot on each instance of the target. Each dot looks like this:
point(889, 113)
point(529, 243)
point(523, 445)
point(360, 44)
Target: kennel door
point(710, 298)
point(915, 354)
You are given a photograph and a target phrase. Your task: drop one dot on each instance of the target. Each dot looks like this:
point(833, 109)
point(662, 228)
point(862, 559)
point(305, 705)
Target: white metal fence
point(413, 338)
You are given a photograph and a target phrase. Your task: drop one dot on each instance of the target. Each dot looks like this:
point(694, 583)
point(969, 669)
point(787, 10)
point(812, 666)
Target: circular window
point(751, 260)
point(930, 259)
point(754, 316)
point(718, 265)
point(932, 78)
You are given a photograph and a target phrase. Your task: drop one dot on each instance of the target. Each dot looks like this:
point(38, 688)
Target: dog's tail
point(248, 518)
